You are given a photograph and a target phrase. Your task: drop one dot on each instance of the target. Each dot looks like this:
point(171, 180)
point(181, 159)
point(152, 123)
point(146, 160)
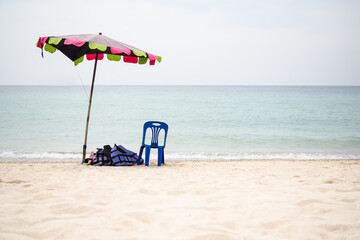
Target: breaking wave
point(11, 156)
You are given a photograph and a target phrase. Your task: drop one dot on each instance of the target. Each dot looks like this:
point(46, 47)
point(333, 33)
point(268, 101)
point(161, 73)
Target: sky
point(201, 42)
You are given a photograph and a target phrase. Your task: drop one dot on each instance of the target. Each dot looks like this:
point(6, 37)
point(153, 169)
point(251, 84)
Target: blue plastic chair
point(155, 127)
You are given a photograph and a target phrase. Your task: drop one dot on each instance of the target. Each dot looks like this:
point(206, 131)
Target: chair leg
point(147, 155)
point(140, 154)
point(163, 156)
point(160, 156)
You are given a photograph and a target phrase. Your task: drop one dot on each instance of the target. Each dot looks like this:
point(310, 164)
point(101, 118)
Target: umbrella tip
point(100, 33)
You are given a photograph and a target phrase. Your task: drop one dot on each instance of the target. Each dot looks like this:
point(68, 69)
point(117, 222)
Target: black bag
point(107, 154)
point(102, 157)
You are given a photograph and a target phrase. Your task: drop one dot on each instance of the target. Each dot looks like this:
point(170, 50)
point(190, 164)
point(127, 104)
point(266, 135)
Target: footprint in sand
point(334, 227)
point(16, 181)
point(324, 211)
point(323, 190)
point(215, 236)
point(147, 191)
point(273, 224)
point(66, 208)
point(143, 217)
point(347, 190)
point(177, 192)
point(308, 202)
point(346, 200)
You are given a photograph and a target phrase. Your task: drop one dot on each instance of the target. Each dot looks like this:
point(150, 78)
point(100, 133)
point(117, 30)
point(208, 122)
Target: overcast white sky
point(240, 42)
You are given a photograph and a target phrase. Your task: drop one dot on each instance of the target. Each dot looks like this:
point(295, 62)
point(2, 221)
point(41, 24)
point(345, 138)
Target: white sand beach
point(183, 200)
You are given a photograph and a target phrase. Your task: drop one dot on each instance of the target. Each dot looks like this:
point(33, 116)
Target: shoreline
point(13, 156)
point(173, 160)
point(180, 162)
point(247, 199)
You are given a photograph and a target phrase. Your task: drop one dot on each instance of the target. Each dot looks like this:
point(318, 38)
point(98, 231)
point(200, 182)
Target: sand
point(182, 200)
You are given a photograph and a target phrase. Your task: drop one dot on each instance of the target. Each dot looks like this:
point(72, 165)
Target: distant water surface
point(205, 122)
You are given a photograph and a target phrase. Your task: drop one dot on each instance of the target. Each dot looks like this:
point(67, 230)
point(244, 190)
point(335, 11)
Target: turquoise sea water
point(205, 122)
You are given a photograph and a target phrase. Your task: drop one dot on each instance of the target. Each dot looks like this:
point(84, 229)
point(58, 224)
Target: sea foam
point(10, 156)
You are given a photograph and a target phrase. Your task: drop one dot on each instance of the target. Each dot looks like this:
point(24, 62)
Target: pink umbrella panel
point(75, 47)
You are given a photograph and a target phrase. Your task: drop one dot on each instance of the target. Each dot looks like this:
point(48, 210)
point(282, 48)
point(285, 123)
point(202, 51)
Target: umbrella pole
point(88, 115)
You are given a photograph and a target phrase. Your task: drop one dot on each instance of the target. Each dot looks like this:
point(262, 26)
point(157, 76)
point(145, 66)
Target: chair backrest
point(155, 127)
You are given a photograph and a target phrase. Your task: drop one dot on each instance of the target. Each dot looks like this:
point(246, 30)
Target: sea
point(47, 123)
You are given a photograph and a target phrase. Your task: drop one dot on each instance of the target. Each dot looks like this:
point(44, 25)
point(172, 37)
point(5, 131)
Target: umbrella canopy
point(76, 46)
point(94, 46)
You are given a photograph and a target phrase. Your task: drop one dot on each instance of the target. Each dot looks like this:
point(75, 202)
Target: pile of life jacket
point(115, 156)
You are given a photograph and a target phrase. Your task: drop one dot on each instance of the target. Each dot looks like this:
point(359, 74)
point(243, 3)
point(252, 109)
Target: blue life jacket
point(116, 156)
point(122, 157)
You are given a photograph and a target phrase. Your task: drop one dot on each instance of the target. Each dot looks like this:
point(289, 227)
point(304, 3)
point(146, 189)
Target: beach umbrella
point(94, 47)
